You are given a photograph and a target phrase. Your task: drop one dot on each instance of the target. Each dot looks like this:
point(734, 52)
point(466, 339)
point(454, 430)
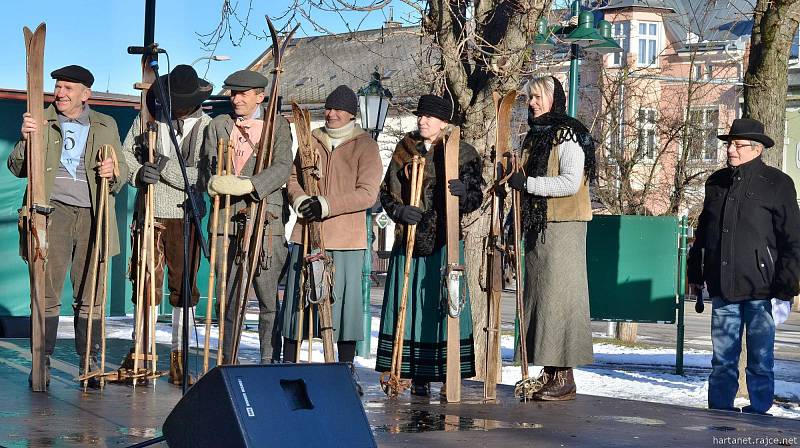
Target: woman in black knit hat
point(425, 336)
point(559, 162)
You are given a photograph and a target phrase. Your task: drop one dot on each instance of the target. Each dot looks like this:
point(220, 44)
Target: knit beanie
point(343, 98)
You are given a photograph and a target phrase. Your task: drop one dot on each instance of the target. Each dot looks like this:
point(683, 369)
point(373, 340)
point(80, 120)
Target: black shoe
point(420, 389)
point(93, 383)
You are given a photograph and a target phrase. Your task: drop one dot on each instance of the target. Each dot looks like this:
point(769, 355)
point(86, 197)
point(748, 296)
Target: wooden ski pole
point(108, 152)
point(151, 267)
point(223, 289)
point(301, 297)
point(391, 382)
point(94, 268)
point(212, 259)
point(516, 204)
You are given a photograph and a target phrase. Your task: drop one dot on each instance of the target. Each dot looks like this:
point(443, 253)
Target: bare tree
point(774, 29)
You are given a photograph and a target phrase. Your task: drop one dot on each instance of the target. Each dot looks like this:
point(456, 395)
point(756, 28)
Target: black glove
point(408, 214)
point(148, 174)
point(457, 188)
point(518, 181)
point(311, 209)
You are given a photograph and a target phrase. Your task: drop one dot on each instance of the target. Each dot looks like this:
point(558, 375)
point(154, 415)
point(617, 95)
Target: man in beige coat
point(73, 134)
point(350, 168)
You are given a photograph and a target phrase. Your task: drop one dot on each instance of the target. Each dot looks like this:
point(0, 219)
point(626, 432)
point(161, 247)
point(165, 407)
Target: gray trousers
point(265, 286)
point(70, 246)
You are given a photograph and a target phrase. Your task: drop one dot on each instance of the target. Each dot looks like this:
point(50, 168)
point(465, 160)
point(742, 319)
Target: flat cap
point(74, 73)
point(245, 80)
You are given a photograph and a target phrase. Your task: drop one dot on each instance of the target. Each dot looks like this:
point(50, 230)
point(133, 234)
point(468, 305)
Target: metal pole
point(149, 22)
point(574, 80)
point(363, 347)
point(684, 226)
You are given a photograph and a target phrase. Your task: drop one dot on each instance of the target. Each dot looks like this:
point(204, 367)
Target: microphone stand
point(190, 212)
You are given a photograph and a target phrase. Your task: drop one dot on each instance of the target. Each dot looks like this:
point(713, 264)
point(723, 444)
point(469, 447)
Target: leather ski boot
point(560, 388)
point(525, 389)
point(420, 388)
point(176, 369)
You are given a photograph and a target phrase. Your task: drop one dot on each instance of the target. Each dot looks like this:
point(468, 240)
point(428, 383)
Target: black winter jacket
point(747, 242)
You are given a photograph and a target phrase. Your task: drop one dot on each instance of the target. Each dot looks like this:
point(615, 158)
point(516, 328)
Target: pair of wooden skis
point(317, 269)
point(506, 164)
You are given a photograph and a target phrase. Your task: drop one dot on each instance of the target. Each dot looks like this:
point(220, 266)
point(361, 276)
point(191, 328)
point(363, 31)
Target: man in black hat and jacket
point(186, 92)
point(73, 134)
point(747, 251)
point(241, 133)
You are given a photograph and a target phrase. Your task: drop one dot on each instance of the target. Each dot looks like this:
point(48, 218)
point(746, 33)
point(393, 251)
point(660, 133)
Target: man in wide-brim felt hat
point(747, 254)
point(186, 93)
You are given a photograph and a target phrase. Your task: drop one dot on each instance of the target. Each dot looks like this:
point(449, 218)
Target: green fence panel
point(632, 263)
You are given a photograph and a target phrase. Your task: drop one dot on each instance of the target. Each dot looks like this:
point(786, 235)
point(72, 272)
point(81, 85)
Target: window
point(697, 72)
point(648, 43)
point(702, 141)
point(646, 130)
point(702, 70)
point(620, 31)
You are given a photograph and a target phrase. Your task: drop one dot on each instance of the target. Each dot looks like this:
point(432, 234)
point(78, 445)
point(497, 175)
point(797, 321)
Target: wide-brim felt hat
point(435, 106)
point(186, 89)
point(747, 129)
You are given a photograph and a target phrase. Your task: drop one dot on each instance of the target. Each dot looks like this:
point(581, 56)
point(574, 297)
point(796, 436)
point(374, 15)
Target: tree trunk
point(626, 331)
point(766, 79)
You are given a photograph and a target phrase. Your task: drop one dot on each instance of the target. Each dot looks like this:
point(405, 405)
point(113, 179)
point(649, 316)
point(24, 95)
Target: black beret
point(245, 80)
point(74, 73)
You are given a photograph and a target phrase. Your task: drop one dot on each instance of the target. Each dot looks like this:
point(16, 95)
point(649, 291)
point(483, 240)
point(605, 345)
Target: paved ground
point(120, 416)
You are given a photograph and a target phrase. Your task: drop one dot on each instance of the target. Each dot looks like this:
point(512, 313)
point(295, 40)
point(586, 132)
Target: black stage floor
point(120, 416)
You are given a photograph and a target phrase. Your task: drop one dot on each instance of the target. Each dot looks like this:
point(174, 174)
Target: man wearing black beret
point(73, 133)
point(241, 132)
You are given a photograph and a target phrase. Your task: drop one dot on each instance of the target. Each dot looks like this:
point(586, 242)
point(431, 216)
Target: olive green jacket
point(102, 131)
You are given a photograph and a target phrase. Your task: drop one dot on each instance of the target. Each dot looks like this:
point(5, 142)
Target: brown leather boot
point(560, 388)
point(176, 369)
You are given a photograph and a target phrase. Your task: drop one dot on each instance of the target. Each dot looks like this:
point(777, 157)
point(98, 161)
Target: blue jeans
point(728, 320)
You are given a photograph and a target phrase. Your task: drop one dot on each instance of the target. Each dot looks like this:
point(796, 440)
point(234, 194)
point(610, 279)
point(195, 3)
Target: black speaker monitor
point(278, 405)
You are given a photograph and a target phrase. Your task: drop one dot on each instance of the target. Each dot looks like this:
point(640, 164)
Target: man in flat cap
point(747, 252)
point(186, 93)
point(241, 133)
point(73, 133)
point(350, 176)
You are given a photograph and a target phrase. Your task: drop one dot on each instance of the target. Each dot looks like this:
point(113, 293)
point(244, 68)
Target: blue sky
point(96, 34)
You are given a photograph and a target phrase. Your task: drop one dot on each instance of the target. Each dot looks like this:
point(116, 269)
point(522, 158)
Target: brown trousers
point(169, 253)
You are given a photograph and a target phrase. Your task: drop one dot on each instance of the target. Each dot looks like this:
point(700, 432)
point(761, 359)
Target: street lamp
point(582, 36)
point(216, 57)
point(373, 101)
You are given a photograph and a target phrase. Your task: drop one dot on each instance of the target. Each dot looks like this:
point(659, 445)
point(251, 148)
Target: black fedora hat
point(186, 89)
point(435, 106)
point(747, 129)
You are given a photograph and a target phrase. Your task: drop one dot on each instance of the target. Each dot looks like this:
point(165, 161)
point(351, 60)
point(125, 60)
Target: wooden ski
point(36, 204)
point(453, 270)
point(257, 217)
point(310, 177)
point(495, 246)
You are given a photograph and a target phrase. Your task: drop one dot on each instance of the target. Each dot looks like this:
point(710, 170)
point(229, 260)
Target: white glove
point(229, 184)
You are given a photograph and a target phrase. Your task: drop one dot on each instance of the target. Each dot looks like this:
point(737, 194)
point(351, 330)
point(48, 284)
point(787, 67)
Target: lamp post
point(373, 101)
point(216, 57)
point(581, 37)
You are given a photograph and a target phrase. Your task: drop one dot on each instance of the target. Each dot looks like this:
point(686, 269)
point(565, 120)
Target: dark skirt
point(347, 308)
point(425, 335)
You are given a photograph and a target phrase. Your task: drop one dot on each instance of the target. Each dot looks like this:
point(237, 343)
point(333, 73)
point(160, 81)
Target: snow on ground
point(632, 373)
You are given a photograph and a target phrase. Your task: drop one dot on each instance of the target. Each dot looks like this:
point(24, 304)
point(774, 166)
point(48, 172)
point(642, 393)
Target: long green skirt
point(425, 333)
point(347, 307)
